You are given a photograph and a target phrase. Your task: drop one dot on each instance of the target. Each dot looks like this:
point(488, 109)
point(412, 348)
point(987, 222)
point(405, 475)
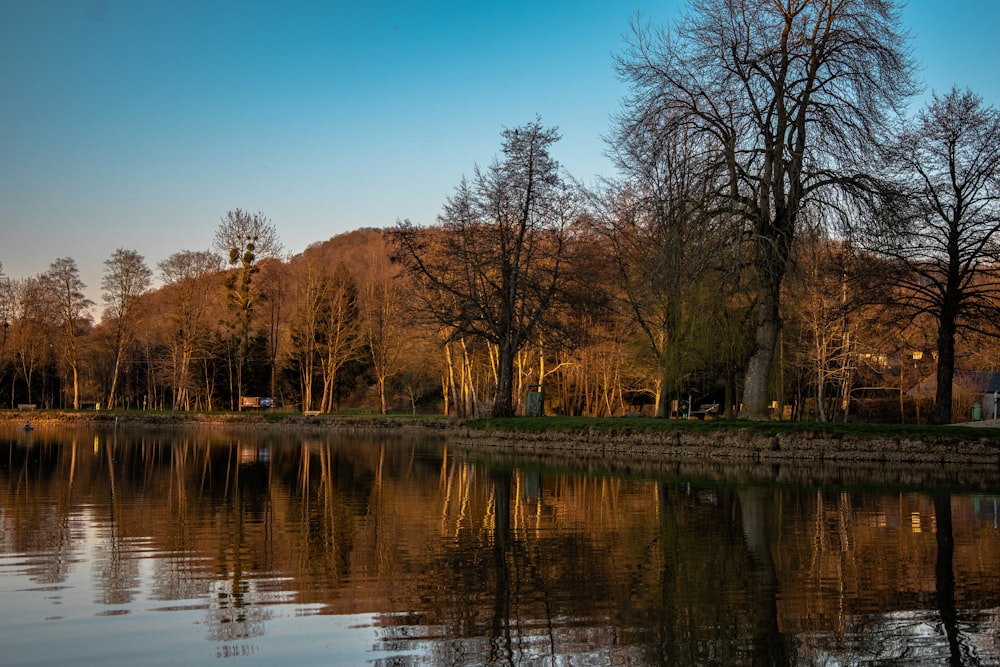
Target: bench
point(312, 413)
point(705, 411)
point(26, 406)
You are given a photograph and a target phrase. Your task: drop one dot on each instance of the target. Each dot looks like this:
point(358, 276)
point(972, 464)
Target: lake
point(191, 546)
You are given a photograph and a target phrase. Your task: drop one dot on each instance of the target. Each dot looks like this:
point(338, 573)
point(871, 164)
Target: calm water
point(125, 548)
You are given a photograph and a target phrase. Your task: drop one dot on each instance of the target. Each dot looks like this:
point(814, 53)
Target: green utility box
point(535, 405)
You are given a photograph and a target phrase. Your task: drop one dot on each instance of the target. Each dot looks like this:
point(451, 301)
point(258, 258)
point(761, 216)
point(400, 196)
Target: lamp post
point(917, 356)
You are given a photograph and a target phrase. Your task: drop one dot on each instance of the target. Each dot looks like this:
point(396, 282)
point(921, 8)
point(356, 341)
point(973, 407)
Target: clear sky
point(139, 123)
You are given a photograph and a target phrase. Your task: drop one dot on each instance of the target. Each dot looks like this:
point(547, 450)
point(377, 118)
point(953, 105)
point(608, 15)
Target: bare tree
point(941, 228)
point(497, 265)
point(789, 93)
point(822, 334)
point(6, 320)
point(311, 284)
point(381, 296)
point(33, 321)
point(187, 282)
point(239, 229)
point(664, 234)
point(126, 279)
point(72, 306)
point(246, 239)
point(324, 328)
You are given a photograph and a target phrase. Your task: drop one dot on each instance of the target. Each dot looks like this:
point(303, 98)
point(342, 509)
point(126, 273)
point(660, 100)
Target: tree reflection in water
point(445, 558)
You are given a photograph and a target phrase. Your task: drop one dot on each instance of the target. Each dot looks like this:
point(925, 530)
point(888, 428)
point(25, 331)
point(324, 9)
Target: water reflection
point(195, 545)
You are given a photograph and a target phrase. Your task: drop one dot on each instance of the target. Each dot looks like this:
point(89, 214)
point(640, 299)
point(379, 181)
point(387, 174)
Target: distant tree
point(788, 93)
point(187, 277)
point(821, 337)
point(310, 285)
point(239, 229)
point(126, 279)
point(246, 239)
point(324, 327)
point(340, 339)
point(6, 320)
point(34, 322)
point(72, 307)
point(940, 237)
point(273, 284)
point(381, 294)
point(498, 264)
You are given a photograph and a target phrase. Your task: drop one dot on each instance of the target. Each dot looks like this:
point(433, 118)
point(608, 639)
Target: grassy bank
point(257, 419)
point(617, 426)
point(552, 425)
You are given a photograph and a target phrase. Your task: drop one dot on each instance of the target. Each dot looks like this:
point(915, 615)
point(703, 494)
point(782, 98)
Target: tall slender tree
point(72, 307)
point(126, 279)
point(6, 320)
point(187, 279)
point(790, 93)
point(381, 296)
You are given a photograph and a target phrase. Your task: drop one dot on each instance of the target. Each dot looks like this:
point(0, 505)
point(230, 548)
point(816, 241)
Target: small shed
point(969, 387)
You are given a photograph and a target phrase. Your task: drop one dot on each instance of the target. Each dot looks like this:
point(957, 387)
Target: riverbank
point(622, 441)
point(256, 420)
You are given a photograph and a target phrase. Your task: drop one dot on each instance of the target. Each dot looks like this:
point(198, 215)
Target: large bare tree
point(942, 227)
point(790, 93)
point(72, 308)
point(498, 263)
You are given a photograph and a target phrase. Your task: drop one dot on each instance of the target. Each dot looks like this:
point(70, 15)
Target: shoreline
point(623, 447)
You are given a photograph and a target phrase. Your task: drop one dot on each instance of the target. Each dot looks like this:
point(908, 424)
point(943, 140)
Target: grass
point(626, 425)
point(597, 425)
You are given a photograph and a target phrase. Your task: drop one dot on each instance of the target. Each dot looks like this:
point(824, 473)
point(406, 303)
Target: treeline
point(338, 327)
point(779, 241)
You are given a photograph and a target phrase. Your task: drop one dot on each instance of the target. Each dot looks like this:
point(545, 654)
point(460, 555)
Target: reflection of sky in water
point(78, 621)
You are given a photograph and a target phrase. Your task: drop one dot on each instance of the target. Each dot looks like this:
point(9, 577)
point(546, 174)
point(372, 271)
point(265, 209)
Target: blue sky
point(139, 123)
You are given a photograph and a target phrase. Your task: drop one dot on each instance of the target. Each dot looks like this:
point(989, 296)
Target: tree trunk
point(449, 384)
point(758, 374)
point(663, 397)
point(945, 369)
point(503, 404)
point(114, 382)
point(380, 383)
point(76, 388)
point(307, 381)
point(774, 248)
